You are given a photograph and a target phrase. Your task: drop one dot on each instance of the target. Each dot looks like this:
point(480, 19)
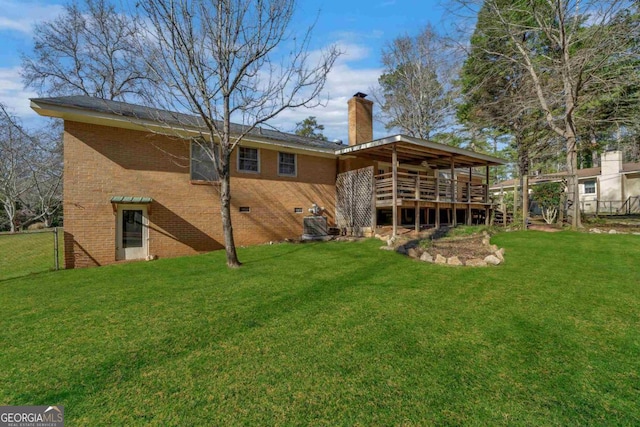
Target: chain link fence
point(30, 252)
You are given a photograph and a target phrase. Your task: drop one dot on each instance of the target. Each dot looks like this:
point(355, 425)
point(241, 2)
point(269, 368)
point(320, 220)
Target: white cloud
point(21, 15)
point(13, 94)
point(343, 82)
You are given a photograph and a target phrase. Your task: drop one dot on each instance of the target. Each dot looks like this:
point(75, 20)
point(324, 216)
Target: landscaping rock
point(500, 254)
point(493, 248)
point(613, 231)
point(401, 250)
point(485, 241)
point(476, 262)
point(391, 241)
point(454, 260)
point(440, 259)
point(413, 253)
point(387, 248)
point(426, 257)
point(595, 230)
point(492, 259)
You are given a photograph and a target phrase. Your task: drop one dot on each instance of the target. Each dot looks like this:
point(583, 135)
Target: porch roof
point(416, 151)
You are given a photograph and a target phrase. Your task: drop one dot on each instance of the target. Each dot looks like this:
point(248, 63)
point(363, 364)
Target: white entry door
point(132, 232)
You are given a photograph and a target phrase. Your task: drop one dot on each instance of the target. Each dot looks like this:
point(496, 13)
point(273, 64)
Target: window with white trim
point(202, 166)
point(248, 160)
point(589, 187)
point(287, 164)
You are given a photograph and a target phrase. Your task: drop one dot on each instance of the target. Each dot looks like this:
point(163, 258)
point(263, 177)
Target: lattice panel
point(354, 200)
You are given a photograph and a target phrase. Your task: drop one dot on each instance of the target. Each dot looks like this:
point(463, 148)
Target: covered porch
point(427, 182)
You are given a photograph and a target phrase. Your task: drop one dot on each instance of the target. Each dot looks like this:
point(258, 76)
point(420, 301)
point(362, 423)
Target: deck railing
point(412, 187)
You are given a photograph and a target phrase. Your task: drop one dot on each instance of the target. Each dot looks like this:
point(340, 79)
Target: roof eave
point(71, 113)
point(487, 159)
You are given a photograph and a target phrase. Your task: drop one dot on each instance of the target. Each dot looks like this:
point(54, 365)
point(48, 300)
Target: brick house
point(137, 187)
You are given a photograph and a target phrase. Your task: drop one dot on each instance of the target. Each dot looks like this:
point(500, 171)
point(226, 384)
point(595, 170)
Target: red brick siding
point(184, 218)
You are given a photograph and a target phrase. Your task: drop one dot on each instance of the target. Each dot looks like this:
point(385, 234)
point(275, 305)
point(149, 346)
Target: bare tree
point(563, 46)
point(224, 60)
point(30, 172)
point(416, 88)
point(44, 162)
point(89, 50)
point(14, 172)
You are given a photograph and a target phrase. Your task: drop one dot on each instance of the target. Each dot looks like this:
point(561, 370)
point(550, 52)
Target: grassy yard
point(335, 334)
point(28, 252)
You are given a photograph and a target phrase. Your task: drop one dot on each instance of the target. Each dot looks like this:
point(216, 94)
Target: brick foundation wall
point(184, 218)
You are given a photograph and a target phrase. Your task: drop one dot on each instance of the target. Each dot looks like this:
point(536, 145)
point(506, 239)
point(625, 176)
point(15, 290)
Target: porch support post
point(437, 199)
point(417, 195)
point(394, 189)
point(374, 212)
point(453, 192)
point(469, 198)
point(487, 211)
point(486, 181)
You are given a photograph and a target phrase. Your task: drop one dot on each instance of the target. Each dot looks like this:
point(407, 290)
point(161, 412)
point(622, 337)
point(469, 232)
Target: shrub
point(548, 196)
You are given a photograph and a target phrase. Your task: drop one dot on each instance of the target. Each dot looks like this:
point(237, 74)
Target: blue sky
point(359, 27)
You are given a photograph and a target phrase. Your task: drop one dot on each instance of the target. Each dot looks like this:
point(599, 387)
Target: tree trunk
point(225, 211)
point(525, 201)
point(10, 210)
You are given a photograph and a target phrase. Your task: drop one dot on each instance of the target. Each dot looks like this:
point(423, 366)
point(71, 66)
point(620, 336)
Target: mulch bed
point(464, 248)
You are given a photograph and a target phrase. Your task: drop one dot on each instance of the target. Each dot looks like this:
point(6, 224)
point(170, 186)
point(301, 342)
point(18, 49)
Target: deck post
point(417, 195)
point(437, 199)
point(486, 181)
point(394, 189)
point(487, 210)
point(468, 203)
point(469, 196)
point(453, 192)
point(374, 212)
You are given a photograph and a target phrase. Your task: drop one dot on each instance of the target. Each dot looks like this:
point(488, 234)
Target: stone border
point(611, 231)
point(413, 250)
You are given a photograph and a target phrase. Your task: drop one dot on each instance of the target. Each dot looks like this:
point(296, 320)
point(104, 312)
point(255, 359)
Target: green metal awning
point(131, 199)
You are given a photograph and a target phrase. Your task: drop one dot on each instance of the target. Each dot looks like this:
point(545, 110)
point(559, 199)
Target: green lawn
point(335, 334)
point(28, 252)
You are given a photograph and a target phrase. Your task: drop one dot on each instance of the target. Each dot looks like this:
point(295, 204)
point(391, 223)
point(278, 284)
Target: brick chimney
point(360, 119)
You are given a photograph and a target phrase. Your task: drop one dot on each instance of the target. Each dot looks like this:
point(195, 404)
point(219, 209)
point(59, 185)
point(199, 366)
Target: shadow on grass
point(28, 275)
point(183, 338)
point(293, 248)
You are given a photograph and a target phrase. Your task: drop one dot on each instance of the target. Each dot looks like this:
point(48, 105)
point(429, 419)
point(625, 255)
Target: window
point(245, 209)
point(590, 187)
point(248, 160)
point(202, 166)
point(287, 164)
point(297, 210)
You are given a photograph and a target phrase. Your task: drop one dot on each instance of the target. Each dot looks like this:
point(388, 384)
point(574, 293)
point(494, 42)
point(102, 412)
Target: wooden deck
point(429, 191)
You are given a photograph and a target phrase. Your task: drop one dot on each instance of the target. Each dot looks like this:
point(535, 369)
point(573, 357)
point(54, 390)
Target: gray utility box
point(315, 228)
